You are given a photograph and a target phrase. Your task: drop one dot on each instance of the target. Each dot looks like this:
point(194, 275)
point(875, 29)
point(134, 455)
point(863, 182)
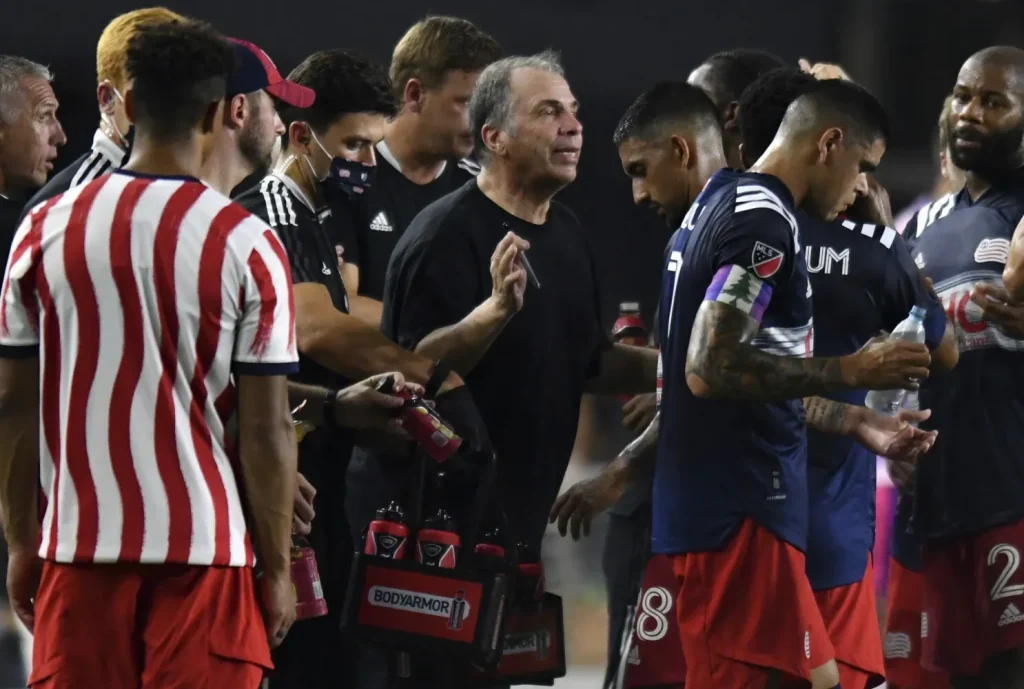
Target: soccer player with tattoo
point(730, 491)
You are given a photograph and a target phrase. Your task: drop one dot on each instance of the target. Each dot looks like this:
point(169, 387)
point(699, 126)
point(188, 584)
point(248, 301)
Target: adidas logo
point(380, 223)
point(325, 270)
point(634, 656)
point(1011, 615)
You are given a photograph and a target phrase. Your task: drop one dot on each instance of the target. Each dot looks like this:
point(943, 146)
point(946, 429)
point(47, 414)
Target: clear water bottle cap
point(917, 312)
point(629, 307)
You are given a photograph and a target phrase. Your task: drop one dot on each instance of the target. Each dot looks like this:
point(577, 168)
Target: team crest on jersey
point(995, 250)
point(765, 260)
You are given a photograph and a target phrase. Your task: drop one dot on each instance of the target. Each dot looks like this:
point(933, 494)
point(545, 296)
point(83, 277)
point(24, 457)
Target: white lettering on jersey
point(675, 265)
point(652, 622)
point(1002, 588)
point(692, 216)
point(972, 331)
point(827, 259)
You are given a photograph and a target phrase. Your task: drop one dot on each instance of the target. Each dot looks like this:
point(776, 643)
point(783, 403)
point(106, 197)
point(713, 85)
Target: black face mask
point(349, 177)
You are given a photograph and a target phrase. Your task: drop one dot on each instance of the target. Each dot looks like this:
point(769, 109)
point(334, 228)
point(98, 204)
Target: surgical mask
point(349, 177)
point(126, 139)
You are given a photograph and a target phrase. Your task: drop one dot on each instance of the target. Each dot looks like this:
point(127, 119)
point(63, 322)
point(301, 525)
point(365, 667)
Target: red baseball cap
point(255, 70)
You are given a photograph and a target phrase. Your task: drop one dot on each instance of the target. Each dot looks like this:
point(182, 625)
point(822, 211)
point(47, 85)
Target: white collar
point(386, 154)
point(108, 148)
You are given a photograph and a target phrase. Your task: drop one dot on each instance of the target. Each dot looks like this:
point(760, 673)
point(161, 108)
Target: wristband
point(438, 376)
point(330, 399)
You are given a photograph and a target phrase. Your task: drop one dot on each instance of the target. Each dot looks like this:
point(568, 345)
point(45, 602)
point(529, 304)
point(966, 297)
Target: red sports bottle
point(438, 542)
point(530, 581)
point(491, 544)
point(309, 594)
point(424, 424)
point(388, 533)
point(629, 329)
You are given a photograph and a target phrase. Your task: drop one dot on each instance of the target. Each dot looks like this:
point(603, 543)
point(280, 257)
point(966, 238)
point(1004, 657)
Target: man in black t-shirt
point(424, 154)
point(529, 376)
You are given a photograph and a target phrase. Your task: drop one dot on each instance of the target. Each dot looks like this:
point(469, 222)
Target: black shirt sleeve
point(602, 340)
point(903, 289)
point(432, 283)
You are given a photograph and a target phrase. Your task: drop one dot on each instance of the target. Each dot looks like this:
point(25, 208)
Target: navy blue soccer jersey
point(973, 478)
point(864, 281)
point(723, 461)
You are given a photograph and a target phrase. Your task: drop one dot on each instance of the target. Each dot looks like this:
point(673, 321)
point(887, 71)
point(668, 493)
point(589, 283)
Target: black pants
point(627, 549)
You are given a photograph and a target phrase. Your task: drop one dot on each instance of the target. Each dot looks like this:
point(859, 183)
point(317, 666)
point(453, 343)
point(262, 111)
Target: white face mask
point(305, 158)
point(123, 143)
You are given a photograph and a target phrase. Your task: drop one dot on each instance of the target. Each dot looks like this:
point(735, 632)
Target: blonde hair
point(112, 48)
point(437, 45)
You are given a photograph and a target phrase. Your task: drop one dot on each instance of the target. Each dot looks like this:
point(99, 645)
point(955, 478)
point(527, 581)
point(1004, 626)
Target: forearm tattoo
point(719, 354)
point(826, 415)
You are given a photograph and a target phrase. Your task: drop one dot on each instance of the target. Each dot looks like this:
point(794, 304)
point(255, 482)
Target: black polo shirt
point(529, 384)
point(388, 207)
point(10, 212)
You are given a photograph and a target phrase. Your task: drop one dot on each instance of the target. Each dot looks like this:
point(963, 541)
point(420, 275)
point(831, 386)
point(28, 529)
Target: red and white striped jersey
point(141, 295)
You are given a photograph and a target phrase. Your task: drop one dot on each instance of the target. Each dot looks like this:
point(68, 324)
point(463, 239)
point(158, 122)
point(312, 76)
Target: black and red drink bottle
point(424, 424)
point(438, 542)
point(388, 534)
point(629, 329)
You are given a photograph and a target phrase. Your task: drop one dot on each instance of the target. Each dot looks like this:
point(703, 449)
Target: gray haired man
point(29, 136)
point(528, 370)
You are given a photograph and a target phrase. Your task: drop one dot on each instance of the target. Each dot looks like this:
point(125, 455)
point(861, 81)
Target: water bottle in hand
point(912, 329)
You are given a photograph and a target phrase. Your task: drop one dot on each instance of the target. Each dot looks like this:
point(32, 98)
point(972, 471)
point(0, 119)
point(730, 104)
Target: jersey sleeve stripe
point(87, 319)
point(82, 173)
point(268, 304)
point(268, 200)
point(741, 289)
point(867, 229)
point(282, 257)
point(129, 372)
point(888, 237)
point(168, 459)
point(211, 277)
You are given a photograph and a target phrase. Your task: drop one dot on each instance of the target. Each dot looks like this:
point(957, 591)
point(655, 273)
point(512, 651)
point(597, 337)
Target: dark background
point(906, 51)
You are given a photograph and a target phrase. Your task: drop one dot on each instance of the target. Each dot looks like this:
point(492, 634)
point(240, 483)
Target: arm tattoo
point(727, 366)
point(825, 415)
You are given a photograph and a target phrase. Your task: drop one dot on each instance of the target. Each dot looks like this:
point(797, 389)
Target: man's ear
point(298, 137)
point(681, 152)
point(412, 95)
point(494, 140)
point(237, 109)
point(731, 117)
point(106, 98)
point(830, 140)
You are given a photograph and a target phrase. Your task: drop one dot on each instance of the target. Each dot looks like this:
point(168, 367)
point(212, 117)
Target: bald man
point(969, 493)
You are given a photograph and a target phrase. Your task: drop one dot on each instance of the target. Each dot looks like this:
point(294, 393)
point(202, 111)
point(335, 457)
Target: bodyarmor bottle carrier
point(455, 597)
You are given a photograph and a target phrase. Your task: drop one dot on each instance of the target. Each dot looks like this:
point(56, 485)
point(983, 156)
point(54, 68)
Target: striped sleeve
point(265, 336)
point(19, 317)
point(96, 165)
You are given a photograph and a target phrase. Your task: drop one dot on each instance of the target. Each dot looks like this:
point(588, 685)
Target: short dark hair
point(437, 45)
point(844, 103)
point(732, 71)
point(763, 106)
point(664, 102)
point(178, 69)
point(345, 82)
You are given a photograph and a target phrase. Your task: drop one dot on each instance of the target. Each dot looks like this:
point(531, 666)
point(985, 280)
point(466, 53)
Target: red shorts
point(655, 657)
point(746, 610)
point(131, 626)
point(905, 627)
point(851, 617)
point(974, 598)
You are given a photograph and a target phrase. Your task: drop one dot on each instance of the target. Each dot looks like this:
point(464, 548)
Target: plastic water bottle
point(911, 329)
